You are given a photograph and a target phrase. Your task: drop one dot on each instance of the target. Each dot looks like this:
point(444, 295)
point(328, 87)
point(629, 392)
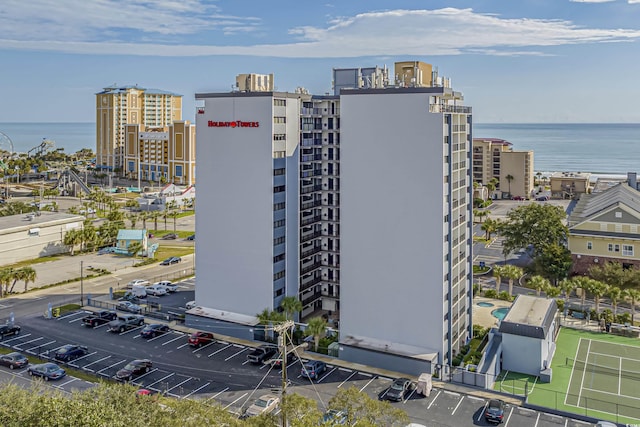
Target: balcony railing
point(310, 252)
point(310, 268)
point(311, 298)
point(307, 237)
point(310, 220)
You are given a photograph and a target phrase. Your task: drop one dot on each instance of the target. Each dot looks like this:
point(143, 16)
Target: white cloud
point(593, 1)
point(446, 31)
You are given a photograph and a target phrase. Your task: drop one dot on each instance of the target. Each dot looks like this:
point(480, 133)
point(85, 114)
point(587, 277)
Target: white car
point(170, 287)
point(156, 290)
point(136, 282)
point(265, 404)
point(190, 305)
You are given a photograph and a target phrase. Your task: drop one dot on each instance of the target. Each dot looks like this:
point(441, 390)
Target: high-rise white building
point(359, 204)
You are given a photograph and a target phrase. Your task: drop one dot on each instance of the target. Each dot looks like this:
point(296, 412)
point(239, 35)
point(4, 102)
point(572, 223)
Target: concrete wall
point(234, 211)
point(388, 361)
point(392, 227)
point(522, 354)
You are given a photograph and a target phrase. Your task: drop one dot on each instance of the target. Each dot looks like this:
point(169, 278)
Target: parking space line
point(370, 381)
point(100, 326)
point(204, 346)
point(28, 350)
point(81, 357)
point(348, 378)
point(326, 375)
point(155, 338)
point(144, 375)
point(184, 345)
point(366, 374)
point(175, 339)
point(93, 363)
point(71, 315)
point(161, 379)
point(117, 363)
point(68, 382)
point(483, 411)
point(196, 390)
point(509, 417)
point(537, 420)
point(21, 344)
point(475, 398)
point(16, 338)
point(457, 406)
point(218, 351)
point(130, 330)
point(137, 336)
point(227, 407)
point(452, 393)
point(218, 394)
point(434, 399)
point(410, 395)
point(76, 320)
point(235, 354)
point(178, 385)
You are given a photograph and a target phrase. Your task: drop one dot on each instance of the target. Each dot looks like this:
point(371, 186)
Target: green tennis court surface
point(605, 375)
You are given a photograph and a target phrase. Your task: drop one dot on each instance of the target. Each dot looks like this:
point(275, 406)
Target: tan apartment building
point(513, 170)
point(162, 155)
point(117, 106)
point(604, 227)
point(570, 185)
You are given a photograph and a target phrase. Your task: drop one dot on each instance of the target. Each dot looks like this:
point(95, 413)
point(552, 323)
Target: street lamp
point(81, 283)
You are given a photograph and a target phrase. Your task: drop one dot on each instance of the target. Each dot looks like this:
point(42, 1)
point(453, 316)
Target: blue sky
point(514, 60)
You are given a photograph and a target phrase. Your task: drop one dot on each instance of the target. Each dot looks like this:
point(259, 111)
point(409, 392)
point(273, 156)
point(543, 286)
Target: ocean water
point(605, 149)
point(71, 136)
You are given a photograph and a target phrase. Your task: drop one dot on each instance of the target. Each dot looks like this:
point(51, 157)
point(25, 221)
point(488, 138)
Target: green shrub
point(623, 318)
point(479, 331)
point(504, 295)
point(490, 293)
point(560, 303)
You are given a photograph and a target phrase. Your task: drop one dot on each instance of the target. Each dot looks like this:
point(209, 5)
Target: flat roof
point(390, 347)
point(11, 223)
point(224, 315)
point(529, 316)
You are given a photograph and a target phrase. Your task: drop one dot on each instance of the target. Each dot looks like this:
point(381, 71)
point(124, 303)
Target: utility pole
point(282, 331)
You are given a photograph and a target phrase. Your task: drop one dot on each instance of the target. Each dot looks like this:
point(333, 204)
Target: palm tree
point(6, 275)
point(28, 275)
point(133, 218)
point(174, 215)
point(539, 283)
point(582, 283)
point(598, 289)
point(498, 272)
point(567, 286)
point(614, 294)
point(134, 248)
point(154, 215)
point(16, 276)
point(512, 273)
point(316, 327)
point(490, 226)
point(509, 178)
point(72, 238)
point(291, 305)
point(633, 296)
point(538, 175)
point(552, 291)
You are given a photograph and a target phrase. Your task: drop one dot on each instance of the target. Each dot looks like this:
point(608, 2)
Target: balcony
point(311, 298)
point(310, 268)
point(306, 285)
point(310, 220)
point(310, 252)
point(307, 237)
point(310, 189)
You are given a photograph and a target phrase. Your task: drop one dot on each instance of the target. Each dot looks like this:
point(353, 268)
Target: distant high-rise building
point(117, 106)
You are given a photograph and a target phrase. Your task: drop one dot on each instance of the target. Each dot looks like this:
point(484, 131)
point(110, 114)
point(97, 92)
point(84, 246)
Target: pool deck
point(482, 315)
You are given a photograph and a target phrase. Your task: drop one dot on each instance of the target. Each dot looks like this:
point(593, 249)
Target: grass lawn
point(554, 394)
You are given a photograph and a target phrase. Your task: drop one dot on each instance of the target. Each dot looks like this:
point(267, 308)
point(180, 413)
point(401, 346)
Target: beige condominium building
point(117, 106)
point(513, 170)
point(162, 155)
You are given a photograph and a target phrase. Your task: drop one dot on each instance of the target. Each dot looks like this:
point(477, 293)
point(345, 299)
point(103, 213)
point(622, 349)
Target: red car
point(198, 339)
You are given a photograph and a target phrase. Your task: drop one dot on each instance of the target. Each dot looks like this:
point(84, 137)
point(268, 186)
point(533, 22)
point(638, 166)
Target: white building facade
point(356, 203)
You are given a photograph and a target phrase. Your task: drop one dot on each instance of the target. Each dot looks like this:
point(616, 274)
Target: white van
point(138, 291)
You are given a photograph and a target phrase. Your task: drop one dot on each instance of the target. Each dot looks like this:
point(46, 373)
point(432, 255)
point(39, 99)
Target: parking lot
point(219, 372)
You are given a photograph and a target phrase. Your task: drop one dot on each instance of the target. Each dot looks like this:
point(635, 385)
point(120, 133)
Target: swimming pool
point(499, 313)
point(485, 304)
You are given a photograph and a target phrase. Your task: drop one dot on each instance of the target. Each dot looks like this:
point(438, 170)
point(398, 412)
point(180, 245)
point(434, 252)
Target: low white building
point(528, 333)
point(29, 236)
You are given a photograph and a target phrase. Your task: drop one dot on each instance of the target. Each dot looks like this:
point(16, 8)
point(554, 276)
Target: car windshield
point(64, 349)
point(309, 367)
point(397, 386)
point(130, 367)
point(52, 368)
point(262, 403)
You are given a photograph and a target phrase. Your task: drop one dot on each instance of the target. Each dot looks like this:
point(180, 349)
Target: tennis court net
point(581, 365)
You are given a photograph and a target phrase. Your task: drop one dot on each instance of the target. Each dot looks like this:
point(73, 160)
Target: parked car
point(135, 282)
point(277, 361)
point(14, 360)
point(129, 306)
point(542, 198)
point(133, 369)
point(334, 417)
point(494, 412)
point(170, 236)
point(171, 260)
point(398, 389)
point(517, 198)
point(313, 369)
point(107, 250)
point(70, 352)
point(156, 290)
point(153, 330)
point(190, 305)
point(607, 424)
point(170, 287)
point(198, 339)
point(47, 371)
point(192, 237)
point(9, 329)
point(265, 404)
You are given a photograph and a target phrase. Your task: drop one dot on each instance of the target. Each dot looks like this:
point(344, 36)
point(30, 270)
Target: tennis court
point(605, 376)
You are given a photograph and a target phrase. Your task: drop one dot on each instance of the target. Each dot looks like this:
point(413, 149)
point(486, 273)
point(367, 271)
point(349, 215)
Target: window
point(278, 119)
point(280, 171)
point(618, 214)
point(589, 245)
point(279, 137)
point(178, 170)
point(279, 154)
point(278, 258)
point(279, 275)
point(279, 102)
point(627, 250)
point(279, 189)
point(279, 223)
point(278, 206)
point(613, 247)
point(278, 241)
